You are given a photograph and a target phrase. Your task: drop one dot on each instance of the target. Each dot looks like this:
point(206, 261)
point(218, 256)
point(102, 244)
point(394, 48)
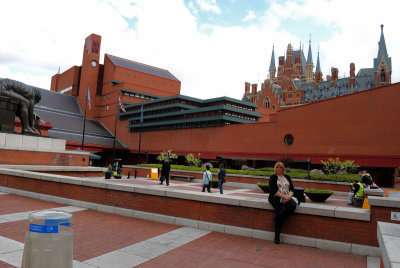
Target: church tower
point(309, 65)
point(382, 64)
point(272, 68)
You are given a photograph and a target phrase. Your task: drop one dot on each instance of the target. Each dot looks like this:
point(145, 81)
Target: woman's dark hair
point(207, 167)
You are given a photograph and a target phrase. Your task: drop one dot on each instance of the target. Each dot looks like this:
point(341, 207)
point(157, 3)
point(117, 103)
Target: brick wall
point(329, 228)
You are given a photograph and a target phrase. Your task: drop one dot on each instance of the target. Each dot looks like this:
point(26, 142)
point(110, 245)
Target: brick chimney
point(352, 76)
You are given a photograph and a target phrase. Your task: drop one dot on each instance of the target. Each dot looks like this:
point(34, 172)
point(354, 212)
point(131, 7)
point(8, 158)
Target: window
point(383, 76)
point(288, 139)
point(107, 108)
point(267, 103)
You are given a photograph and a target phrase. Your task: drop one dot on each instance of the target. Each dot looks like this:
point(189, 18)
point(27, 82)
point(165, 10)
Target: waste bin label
point(37, 228)
point(57, 222)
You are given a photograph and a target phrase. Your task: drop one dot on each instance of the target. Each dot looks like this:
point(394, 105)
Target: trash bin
point(49, 240)
point(108, 174)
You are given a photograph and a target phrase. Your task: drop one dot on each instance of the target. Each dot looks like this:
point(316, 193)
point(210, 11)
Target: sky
point(213, 47)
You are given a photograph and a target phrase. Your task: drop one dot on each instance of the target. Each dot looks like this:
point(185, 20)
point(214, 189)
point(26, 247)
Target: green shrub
point(318, 191)
point(167, 155)
point(192, 160)
point(295, 173)
point(335, 166)
point(266, 184)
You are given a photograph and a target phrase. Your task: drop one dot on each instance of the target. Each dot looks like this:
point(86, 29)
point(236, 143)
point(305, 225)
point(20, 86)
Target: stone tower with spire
point(272, 68)
point(309, 65)
point(382, 64)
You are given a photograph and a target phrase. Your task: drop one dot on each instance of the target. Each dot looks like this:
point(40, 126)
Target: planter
point(117, 176)
point(264, 186)
point(316, 195)
point(214, 184)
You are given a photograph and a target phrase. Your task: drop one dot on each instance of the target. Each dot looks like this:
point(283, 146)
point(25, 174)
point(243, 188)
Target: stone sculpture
point(26, 97)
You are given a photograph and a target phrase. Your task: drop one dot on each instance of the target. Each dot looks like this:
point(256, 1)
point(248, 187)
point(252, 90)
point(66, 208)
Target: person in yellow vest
point(357, 190)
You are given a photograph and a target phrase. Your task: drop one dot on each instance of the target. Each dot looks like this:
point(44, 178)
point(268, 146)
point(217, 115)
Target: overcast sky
point(213, 47)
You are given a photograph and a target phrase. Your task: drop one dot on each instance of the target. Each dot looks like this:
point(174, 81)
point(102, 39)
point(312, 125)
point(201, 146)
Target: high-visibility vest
point(360, 192)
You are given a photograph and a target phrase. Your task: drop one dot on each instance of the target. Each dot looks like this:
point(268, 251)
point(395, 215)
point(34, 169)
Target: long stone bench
point(180, 177)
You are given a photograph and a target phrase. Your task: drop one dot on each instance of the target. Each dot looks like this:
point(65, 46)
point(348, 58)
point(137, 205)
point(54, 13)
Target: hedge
point(266, 172)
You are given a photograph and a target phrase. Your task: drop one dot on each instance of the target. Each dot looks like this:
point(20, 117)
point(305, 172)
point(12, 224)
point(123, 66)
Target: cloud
point(209, 6)
point(167, 34)
point(250, 15)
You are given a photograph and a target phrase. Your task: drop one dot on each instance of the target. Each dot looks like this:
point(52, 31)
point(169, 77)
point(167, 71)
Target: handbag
point(224, 181)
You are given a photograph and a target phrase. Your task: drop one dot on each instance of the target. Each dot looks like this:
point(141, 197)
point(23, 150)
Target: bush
point(335, 166)
point(167, 155)
point(266, 184)
point(295, 173)
point(192, 160)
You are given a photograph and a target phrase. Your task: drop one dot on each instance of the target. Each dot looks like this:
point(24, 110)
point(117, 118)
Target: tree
point(167, 155)
point(192, 160)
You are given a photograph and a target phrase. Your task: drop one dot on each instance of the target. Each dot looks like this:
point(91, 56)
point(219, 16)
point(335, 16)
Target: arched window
point(383, 76)
point(267, 102)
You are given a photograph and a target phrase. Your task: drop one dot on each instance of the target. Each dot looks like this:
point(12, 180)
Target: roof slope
point(144, 68)
point(65, 115)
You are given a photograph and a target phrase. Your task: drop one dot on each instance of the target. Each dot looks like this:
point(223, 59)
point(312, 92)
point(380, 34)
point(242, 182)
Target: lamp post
point(308, 166)
point(147, 156)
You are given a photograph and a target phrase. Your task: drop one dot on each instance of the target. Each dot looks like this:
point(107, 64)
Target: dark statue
point(25, 98)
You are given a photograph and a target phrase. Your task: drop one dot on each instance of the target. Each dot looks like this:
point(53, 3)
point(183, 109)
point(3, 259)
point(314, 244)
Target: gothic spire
point(272, 64)
point(382, 53)
point(309, 56)
point(318, 68)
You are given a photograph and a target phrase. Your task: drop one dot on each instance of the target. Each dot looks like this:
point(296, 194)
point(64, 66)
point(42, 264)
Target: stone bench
point(181, 177)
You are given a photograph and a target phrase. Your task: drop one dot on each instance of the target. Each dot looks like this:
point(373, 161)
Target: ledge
point(389, 243)
point(157, 190)
point(384, 202)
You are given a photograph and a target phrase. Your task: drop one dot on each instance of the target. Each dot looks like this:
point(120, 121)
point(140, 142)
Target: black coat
point(165, 169)
point(273, 188)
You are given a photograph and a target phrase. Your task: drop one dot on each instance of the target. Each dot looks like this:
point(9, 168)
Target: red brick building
point(295, 82)
point(361, 125)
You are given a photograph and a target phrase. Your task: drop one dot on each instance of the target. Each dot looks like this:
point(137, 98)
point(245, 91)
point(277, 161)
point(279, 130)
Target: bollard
point(49, 240)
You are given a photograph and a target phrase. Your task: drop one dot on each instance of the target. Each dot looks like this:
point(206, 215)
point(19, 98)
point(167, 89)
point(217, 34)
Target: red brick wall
point(335, 229)
point(359, 126)
point(15, 157)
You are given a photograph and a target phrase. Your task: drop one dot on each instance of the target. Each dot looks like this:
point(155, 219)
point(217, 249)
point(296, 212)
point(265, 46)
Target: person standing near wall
point(281, 198)
point(221, 177)
point(166, 167)
point(207, 177)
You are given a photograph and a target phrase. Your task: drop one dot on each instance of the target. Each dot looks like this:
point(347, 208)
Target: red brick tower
point(90, 73)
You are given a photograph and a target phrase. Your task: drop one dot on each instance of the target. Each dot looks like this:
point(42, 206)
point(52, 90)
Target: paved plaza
point(110, 240)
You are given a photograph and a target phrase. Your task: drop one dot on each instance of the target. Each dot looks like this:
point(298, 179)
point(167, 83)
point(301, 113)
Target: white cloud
point(49, 34)
point(209, 6)
point(250, 15)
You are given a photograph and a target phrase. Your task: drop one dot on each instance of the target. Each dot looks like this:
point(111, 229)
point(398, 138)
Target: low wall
point(316, 225)
point(38, 150)
point(75, 171)
point(246, 179)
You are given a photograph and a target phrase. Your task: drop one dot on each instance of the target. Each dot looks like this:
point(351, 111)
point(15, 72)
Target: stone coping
point(31, 143)
point(54, 168)
point(384, 201)
point(389, 243)
point(248, 202)
point(245, 176)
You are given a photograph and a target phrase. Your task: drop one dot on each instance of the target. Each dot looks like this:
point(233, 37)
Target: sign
point(393, 194)
point(395, 216)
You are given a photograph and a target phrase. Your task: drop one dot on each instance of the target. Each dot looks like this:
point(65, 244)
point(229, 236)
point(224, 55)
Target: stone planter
point(264, 187)
point(318, 195)
point(214, 184)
